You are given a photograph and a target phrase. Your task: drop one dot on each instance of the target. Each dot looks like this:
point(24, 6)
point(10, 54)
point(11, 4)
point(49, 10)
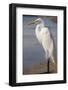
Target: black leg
point(48, 65)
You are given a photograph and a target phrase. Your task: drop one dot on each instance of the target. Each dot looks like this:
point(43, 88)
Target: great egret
point(44, 37)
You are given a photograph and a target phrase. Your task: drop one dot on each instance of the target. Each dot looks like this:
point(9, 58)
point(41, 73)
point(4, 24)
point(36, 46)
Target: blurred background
point(34, 56)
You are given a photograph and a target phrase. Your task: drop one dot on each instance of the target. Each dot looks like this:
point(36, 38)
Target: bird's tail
point(52, 58)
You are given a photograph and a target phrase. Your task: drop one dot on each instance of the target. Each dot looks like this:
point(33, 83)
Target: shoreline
point(41, 69)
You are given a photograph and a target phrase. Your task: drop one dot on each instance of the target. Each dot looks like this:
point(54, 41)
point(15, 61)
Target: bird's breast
point(38, 34)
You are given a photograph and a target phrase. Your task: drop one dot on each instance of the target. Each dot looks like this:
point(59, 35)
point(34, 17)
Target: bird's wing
point(47, 41)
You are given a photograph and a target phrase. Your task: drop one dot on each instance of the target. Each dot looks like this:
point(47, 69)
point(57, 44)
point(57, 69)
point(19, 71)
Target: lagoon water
point(33, 51)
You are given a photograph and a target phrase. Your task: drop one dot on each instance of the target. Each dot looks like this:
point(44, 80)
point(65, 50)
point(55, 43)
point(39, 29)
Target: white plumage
point(44, 38)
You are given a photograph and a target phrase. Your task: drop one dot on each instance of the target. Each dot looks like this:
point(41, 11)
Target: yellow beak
point(33, 22)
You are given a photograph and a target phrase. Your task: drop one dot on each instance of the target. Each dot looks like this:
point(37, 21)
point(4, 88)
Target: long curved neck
point(39, 27)
point(41, 24)
point(38, 30)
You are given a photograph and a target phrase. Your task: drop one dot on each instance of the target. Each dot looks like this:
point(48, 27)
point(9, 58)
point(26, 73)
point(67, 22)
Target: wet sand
point(41, 68)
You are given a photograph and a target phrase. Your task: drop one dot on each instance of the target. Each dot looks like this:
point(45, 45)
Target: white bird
point(44, 37)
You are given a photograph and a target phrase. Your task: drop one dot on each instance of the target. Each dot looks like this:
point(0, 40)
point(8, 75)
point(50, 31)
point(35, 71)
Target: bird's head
point(36, 21)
